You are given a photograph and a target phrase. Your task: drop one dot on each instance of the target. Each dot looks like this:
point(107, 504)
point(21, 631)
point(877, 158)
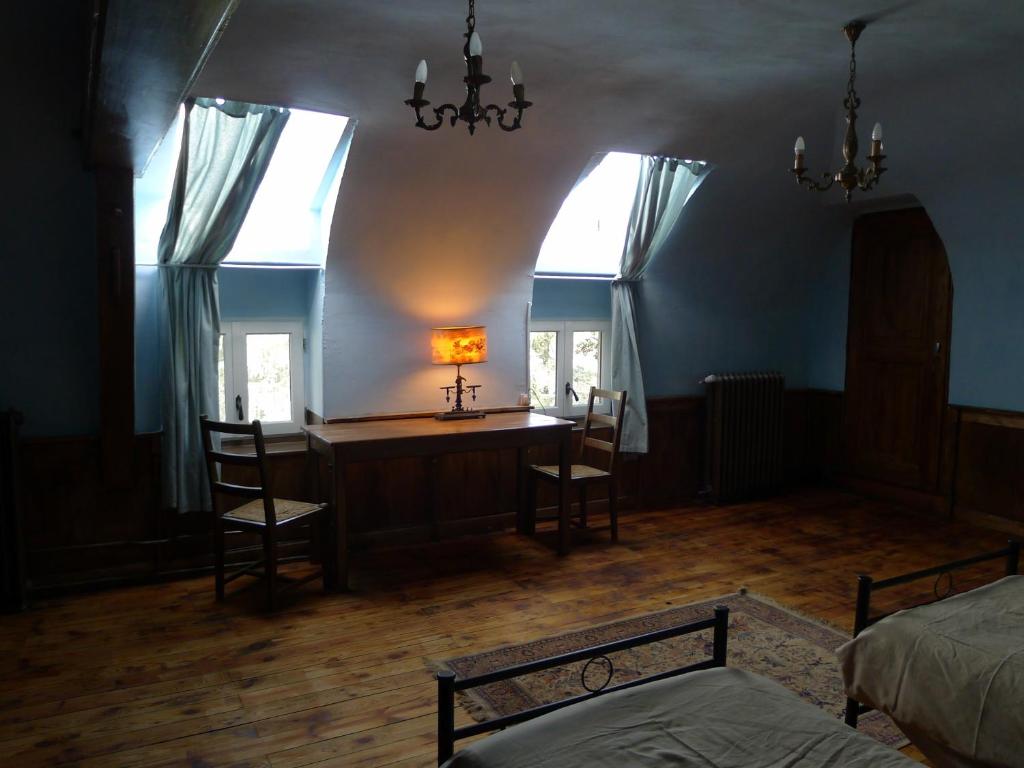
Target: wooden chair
point(584, 475)
point(264, 515)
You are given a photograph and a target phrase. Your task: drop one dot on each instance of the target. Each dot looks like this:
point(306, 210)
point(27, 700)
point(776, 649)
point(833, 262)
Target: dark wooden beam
point(116, 293)
point(144, 57)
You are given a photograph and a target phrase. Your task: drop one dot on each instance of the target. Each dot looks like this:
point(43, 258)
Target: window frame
point(236, 373)
point(564, 406)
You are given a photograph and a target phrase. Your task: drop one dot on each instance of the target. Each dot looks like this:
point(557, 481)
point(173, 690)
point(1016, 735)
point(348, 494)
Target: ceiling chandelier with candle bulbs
point(471, 112)
point(849, 176)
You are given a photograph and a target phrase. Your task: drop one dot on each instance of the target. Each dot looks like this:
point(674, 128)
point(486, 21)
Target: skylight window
point(290, 217)
point(289, 221)
point(587, 235)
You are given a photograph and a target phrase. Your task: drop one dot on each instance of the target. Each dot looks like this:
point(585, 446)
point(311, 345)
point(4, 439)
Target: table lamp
point(458, 346)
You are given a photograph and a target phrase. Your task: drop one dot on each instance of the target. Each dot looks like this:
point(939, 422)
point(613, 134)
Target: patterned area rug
point(765, 638)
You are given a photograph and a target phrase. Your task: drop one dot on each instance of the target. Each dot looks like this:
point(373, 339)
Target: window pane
point(586, 362)
point(221, 383)
point(586, 236)
point(267, 365)
point(543, 373)
point(283, 222)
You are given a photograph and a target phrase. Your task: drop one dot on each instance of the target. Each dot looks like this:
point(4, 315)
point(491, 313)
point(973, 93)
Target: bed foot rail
point(448, 683)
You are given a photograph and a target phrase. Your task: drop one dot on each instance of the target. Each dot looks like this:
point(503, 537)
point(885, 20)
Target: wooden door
point(897, 351)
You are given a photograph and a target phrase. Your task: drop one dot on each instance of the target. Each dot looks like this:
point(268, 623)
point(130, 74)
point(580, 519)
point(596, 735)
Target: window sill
point(571, 276)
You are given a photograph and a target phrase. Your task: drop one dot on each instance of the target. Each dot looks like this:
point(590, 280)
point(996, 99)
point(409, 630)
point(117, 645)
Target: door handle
point(569, 389)
point(238, 408)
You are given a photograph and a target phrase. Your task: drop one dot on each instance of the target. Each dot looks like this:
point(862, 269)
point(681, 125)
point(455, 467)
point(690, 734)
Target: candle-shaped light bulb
point(876, 143)
point(798, 155)
point(476, 47)
point(421, 71)
point(518, 89)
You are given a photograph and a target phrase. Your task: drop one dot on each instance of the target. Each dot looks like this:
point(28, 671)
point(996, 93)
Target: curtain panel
point(663, 188)
point(226, 149)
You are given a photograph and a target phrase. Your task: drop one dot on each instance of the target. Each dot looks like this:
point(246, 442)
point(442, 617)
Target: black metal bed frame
point(866, 585)
point(448, 683)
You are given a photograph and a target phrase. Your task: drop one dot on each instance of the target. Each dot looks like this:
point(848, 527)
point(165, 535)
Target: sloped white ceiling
point(441, 228)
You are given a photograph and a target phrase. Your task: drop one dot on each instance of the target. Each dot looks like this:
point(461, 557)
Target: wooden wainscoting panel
point(78, 532)
point(824, 442)
point(671, 473)
point(794, 438)
point(76, 528)
point(990, 464)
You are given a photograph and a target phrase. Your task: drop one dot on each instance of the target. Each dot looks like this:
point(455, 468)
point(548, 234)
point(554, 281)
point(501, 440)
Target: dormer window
point(586, 237)
point(288, 223)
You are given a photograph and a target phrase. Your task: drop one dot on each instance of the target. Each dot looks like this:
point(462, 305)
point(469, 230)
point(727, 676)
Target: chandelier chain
point(471, 19)
point(851, 91)
point(853, 66)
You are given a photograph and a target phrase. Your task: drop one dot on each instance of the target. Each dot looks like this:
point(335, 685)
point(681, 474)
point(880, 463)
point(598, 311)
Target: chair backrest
point(218, 488)
point(610, 447)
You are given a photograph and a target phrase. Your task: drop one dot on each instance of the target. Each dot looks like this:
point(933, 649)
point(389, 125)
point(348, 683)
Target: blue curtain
point(663, 189)
point(226, 149)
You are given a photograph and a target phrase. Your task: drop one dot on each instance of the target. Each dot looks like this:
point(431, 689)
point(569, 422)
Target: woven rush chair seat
point(579, 471)
point(284, 509)
point(583, 475)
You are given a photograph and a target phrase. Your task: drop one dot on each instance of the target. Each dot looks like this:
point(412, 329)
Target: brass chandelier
point(471, 112)
point(850, 176)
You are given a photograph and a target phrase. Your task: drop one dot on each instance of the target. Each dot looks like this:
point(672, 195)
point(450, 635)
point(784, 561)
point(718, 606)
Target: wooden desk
point(344, 443)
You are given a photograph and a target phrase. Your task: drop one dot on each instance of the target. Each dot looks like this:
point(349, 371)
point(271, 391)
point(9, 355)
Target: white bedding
point(721, 718)
point(951, 673)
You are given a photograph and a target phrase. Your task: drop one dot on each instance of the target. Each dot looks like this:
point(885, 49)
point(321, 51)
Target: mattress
point(723, 717)
point(950, 674)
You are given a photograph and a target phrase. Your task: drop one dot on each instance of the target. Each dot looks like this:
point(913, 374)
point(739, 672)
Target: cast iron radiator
point(744, 453)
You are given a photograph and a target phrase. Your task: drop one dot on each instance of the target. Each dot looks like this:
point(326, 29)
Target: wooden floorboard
point(162, 675)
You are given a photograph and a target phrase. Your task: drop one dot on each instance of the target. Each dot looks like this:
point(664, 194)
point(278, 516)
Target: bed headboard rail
point(448, 683)
point(866, 585)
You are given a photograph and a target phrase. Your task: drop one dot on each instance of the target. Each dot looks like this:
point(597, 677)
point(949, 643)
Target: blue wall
point(315, 345)
point(253, 294)
point(953, 142)
point(559, 299)
point(47, 232)
point(734, 287)
point(756, 275)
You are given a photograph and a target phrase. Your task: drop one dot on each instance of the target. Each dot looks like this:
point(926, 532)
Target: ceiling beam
point(144, 57)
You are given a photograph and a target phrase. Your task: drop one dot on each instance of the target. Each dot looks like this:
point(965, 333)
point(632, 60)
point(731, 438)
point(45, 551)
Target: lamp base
point(447, 415)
